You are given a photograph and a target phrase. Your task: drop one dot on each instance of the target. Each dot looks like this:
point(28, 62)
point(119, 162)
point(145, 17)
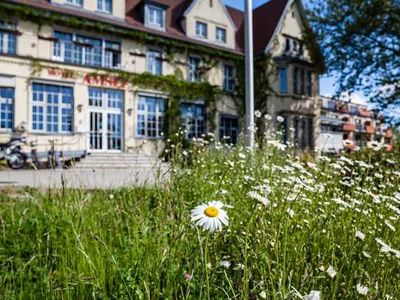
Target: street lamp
point(249, 73)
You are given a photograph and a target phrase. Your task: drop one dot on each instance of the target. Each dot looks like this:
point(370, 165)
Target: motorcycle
point(12, 153)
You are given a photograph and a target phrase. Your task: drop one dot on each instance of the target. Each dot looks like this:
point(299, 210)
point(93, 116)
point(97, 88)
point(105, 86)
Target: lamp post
point(249, 73)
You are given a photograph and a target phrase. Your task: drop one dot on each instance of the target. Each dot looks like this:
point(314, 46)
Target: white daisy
point(331, 272)
point(361, 289)
point(314, 295)
point(280, 119)
point(256, 196)
point(210, 216)
point(360, 235)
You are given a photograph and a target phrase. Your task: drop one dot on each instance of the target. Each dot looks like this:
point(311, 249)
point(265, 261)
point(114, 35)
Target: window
point(201, 30)
point(6, 107)
point(52, 108)
point(293, 47)
point(154, 16)
point(309, 83)
point(229, 80)
point(283, 80)
point(83, 50)
point(228, 129)
point(150, 117)
point(295, 80)
point(193, 119)
point(8, 37)
point(302, 82)
point(112, 55)
point(154, 62)
point(75, 2)
point(220, 34)
point(194, 68)
point(104, 6)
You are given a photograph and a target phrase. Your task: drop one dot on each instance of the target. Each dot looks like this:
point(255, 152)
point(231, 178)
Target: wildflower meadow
point(224, 223)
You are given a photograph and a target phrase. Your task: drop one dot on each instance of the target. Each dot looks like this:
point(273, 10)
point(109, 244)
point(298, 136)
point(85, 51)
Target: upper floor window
point(8, 37)
point(154, 16)
point(220, 34)
point(6, 107)
point(309, 83)
point(194, 69)
point(295, 80)
point(84, 50)
point(150, 117)
point(293, 47)
point(201, 30)
point(75, 2)
point(229, 79)
point(104, 6)
point(154, 62)
point(283, 80)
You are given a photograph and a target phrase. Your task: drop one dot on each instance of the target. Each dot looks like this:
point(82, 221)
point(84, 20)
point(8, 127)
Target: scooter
point(12, 153)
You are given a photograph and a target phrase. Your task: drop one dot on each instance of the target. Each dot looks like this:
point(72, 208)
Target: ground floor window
point(193, 119)
point(228, 129)
point(6, 107)
point(52, 108)
point(150, 117)
point(303, 132)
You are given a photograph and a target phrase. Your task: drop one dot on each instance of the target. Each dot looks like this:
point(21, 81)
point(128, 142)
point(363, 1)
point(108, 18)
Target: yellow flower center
point(211, 212)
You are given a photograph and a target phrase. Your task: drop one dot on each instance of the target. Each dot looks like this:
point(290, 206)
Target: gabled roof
point(266, 20)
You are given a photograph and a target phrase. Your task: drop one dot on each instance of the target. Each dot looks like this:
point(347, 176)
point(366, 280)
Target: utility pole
point(249, 73)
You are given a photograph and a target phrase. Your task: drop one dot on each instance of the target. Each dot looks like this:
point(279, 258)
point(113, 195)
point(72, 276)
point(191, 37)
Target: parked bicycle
point(12, 153)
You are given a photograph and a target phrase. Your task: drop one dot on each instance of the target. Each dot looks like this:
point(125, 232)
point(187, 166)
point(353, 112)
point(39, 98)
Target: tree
point(360, 40)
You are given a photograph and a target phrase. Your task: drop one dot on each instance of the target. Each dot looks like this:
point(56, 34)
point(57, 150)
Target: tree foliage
point(360, 40)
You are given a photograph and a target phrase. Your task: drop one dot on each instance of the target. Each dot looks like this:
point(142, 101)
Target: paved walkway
point(81, 178)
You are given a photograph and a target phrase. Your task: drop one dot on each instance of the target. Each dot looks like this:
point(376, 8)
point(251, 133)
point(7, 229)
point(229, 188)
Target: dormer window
point(104, 6)
point(293, 47)
point(75, 2)
point(220, 35)
point(201, 30)
point(154, 16)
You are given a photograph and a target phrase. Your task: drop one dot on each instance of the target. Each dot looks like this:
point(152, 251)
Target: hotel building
point(113, 75)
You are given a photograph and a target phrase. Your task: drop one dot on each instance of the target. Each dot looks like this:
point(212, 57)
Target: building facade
point(355, 124)
point(106, 75)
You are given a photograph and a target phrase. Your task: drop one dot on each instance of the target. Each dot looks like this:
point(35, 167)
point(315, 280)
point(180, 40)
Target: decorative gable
point(212, 16)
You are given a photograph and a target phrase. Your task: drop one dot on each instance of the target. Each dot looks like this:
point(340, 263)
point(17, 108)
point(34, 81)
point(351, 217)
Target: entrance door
point(105, 109)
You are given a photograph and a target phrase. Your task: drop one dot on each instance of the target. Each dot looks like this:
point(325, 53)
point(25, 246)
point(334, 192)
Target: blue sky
point(327, 84)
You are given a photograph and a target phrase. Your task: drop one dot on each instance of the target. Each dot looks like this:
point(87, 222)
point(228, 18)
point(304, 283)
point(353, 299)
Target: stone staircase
point(133, 161)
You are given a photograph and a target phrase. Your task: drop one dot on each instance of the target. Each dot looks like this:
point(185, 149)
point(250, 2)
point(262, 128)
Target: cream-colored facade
point(81, 107)
point(295, 99)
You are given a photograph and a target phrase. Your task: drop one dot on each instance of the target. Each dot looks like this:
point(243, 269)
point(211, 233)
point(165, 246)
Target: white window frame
point(218, 36)
point(149, 8)
point(227, 79)
point(142, 98)
point(103, 6)
point(62, 44)
point(185, 120)
point(192, 73)
point(45, 104)
point(6, 36)
point(8, 101)
point(75, 2)
point(201, 30)
point(152, 69)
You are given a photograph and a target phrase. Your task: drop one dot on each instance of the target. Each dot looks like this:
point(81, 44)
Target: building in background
point(343, 121)
point(96, 75)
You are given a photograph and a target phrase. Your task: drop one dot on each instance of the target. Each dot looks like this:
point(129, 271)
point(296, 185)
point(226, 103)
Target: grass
point(139, 243)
